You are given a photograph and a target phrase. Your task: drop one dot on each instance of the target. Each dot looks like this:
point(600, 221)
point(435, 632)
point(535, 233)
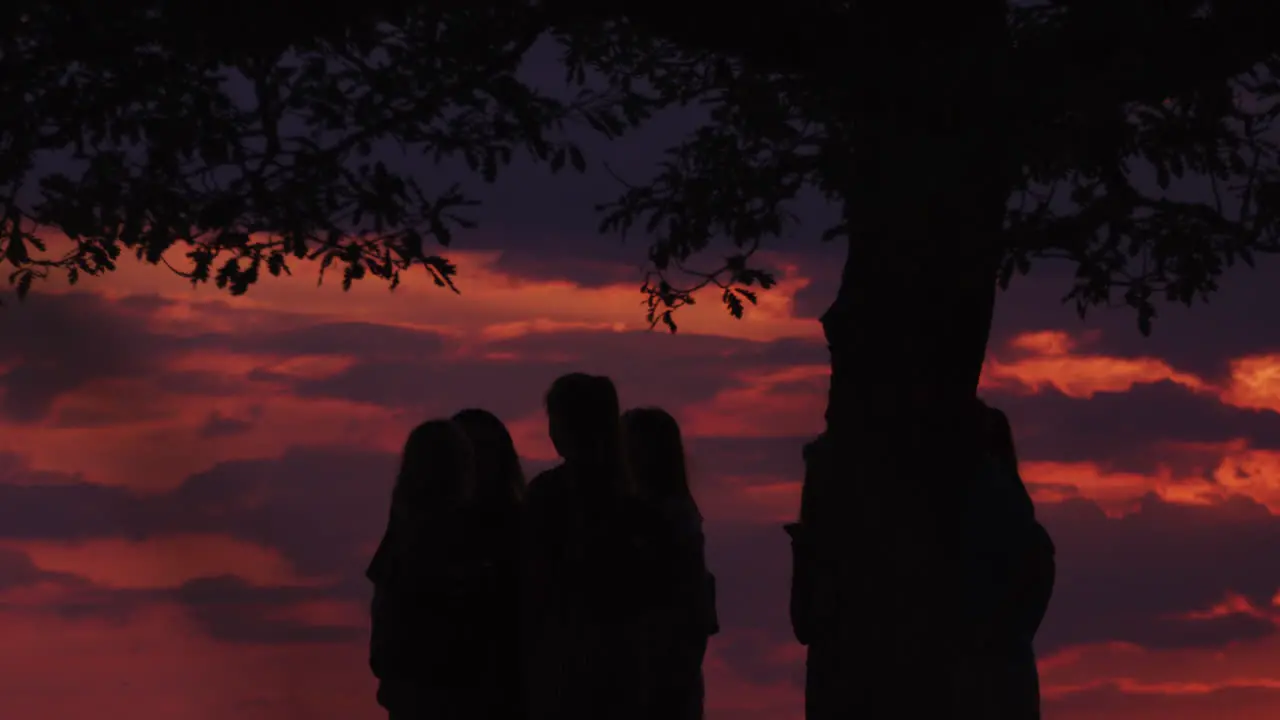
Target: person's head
point(498, 475)
point(582, 417)
point(656, 453)
point(999, 436)
point(436, 470)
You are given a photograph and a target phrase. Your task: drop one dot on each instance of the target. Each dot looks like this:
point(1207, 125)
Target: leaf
point(276, 264)
point(447, 90)
point(596, 124)
point(324, 265)
point(576, 159)
point(490, 168)
point(24, 284)
point(16, 251)
point(734, 303)
point(832, 233)
point(352, 272)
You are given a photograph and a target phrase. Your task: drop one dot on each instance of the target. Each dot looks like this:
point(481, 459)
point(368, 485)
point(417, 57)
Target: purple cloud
point(60, 343)
point(1127, 430)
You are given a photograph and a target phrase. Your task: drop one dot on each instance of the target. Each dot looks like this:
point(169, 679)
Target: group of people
point(583, 594)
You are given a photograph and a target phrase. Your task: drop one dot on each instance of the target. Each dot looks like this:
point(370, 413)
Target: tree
point(922, 130)
point(932, 244)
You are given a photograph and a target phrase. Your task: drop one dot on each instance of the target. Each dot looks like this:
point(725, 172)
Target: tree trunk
point(907, 334)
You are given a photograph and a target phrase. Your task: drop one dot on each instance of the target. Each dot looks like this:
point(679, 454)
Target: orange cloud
point(758, 499)
point(1251, 472)
point(163, 562)
point(158, 664)
point(238, 366)
point(1134, 670)
point(518, 328)
point(531, 439)
point(1050, 360)
point(781, 500)
point(1044, 342)
point(325, 613)
point(790, 401)
point(1232, 604)
point(491, 300)
point(1254, 383)
point(1239, 470)
point(174, 447)
point(730, 695)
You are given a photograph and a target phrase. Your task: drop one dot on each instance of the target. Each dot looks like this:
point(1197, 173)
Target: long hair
point(436, 474)
point(1000, 436)
point(999, 442)
point(437, 468)
point(655, 452)
point(499, 479)
point(586, 428)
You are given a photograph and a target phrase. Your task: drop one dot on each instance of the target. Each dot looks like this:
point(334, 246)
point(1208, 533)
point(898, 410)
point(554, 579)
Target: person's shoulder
point(1042, 536)
point(545, 485)
point(815, 446)
point(682, 516)
point(642, 517)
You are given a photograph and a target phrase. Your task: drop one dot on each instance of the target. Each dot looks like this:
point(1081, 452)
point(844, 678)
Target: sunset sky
point(191, 484)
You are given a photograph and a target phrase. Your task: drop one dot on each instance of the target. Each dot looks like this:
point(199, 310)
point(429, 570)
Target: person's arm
point(379, 573)
point(382, 659)
point(801, 605)
point(801, 602)
point(704, 588)
point(1037, 570)
point(534, 568)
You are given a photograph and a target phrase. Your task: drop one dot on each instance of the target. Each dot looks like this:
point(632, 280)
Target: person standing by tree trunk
point(809, 604)
point(1008, 581)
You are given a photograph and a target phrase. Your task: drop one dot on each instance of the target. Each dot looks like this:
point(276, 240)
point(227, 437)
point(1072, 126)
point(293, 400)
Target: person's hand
point(794, 530)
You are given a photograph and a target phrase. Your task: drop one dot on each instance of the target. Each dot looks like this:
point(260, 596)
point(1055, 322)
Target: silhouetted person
point(686, 615)
point(417, 584)
point(1011, 575)
point(810, 603)
point(492, 522)
point(587, 582)
point(802, 560)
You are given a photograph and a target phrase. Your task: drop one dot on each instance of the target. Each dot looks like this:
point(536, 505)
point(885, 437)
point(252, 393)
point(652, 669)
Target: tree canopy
point(165, 159)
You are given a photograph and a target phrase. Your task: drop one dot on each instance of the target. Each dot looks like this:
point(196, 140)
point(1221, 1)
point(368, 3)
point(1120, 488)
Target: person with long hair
point(411, 646)
point(810, 603)
point(685, 589)
point(801, 605)
point(492, 526)
point(1011, 576)
point(499, 479)
point(583, 582)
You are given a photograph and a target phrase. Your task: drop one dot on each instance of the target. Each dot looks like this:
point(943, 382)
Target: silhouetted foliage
point(171, 158)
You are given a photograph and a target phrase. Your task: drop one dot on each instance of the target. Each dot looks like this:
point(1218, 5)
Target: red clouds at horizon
point(190, 483)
